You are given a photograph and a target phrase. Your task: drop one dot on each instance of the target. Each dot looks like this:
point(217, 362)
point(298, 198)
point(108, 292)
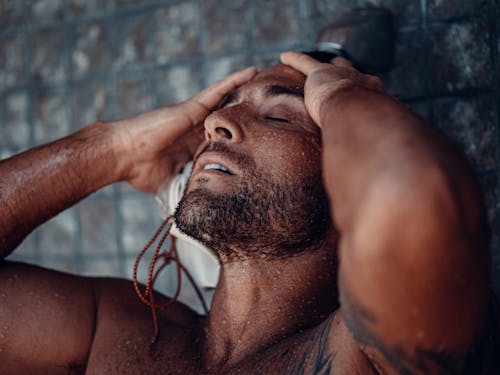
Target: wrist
point(104, 150)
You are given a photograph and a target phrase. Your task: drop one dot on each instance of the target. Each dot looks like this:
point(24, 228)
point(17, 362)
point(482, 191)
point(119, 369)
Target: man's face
point(256, 186)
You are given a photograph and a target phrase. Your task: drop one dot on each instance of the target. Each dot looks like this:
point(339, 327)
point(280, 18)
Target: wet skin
point(285, 333)
point(269, 315)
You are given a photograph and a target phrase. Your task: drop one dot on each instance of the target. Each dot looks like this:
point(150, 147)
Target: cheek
point(290, 157)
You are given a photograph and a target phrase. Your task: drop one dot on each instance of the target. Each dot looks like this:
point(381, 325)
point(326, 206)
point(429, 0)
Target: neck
point(261, 301)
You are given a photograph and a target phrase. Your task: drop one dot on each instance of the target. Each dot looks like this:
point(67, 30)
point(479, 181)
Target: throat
point(259, 303)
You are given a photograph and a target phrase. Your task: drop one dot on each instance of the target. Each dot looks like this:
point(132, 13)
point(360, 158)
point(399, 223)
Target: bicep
point(413, 281)
point(47, 320)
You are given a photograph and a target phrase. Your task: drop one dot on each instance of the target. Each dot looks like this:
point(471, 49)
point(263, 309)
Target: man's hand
point(144, 150)
point(152, 147)
point(325, 80)
point(413, 281)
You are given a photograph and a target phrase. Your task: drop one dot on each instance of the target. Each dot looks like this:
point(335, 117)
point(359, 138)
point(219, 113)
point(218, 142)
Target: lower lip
point(213, 180)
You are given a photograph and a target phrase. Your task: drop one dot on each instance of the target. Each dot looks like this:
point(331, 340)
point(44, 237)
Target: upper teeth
point(215, 166)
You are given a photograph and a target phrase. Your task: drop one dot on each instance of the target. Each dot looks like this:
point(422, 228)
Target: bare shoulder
point(117, 296)
point(58, 323)
point(124, 332)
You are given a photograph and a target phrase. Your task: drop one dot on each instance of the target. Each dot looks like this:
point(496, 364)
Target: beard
point(264, 217)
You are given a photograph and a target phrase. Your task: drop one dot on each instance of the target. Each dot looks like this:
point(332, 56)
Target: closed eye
point(229, 99)
point(277, 119)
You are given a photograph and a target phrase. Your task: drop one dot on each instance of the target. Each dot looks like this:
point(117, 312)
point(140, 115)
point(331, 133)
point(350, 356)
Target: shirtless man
point(397, 285)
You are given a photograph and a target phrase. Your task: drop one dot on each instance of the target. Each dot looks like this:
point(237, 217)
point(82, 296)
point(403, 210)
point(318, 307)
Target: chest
point(122, 346)
point(326, 349)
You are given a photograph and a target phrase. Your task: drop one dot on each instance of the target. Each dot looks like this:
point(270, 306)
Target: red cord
point(168, 256)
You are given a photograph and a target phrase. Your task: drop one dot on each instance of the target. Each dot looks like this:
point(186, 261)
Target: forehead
point(277, 74)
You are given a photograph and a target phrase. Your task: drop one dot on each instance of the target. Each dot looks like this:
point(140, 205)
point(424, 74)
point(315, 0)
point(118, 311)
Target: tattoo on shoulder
point(358, 319)
point(315, 358)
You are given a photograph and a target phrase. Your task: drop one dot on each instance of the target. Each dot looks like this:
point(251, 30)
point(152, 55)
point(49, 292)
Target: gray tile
point(11, 13)
point(91, 102)
point(423, 109)
point(276, 22)
point(495, 254)
point(7, 152)
point(132, 40)
point(140, 221)
point(45, 11)
point(133, 95)
point(472, 123)
point(407, 78)
point(491, 193)
point(101, 267)
point(48, 61)
point(66, 264)
point(118, 4)
point(460, 56)
point(98, 223)
point(331, 9)
point(77, 8)
point(127, 190)
point(58, 237)
point(225, 26)
point(440, 9)
point(265, 60)
point(497, 43)
point(104, 194)
point(175, 31)
point(12, 61)
point(221, 67)
point(51, 115)
point(15, 130)
point(26, 251)
point(177, 83)
point(406, 12)
point(89, 50)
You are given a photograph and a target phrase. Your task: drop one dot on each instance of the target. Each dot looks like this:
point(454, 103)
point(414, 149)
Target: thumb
point(200, 105)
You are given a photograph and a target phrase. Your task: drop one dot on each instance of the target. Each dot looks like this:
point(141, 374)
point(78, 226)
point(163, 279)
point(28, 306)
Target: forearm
point(41, 182)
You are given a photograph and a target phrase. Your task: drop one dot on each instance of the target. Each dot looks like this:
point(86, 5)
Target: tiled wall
point(66, 63)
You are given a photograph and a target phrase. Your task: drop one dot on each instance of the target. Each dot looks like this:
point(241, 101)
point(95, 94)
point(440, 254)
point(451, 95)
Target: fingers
point(341, 62)
point(213, 94)
point(303, 63)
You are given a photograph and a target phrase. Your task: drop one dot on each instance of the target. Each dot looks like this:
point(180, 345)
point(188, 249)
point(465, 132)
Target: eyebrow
point(270, 90)
point(274, 90)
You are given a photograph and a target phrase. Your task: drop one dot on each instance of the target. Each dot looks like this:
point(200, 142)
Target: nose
point(220, 126)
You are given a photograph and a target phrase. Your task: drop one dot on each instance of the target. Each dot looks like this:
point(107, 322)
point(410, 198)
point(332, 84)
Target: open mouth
point(217, 167)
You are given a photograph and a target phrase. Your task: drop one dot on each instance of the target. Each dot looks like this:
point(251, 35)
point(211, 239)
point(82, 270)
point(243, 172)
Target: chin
point(275, 220)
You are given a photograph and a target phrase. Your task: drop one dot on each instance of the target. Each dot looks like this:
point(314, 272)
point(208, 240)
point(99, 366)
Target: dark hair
point(323, 56)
